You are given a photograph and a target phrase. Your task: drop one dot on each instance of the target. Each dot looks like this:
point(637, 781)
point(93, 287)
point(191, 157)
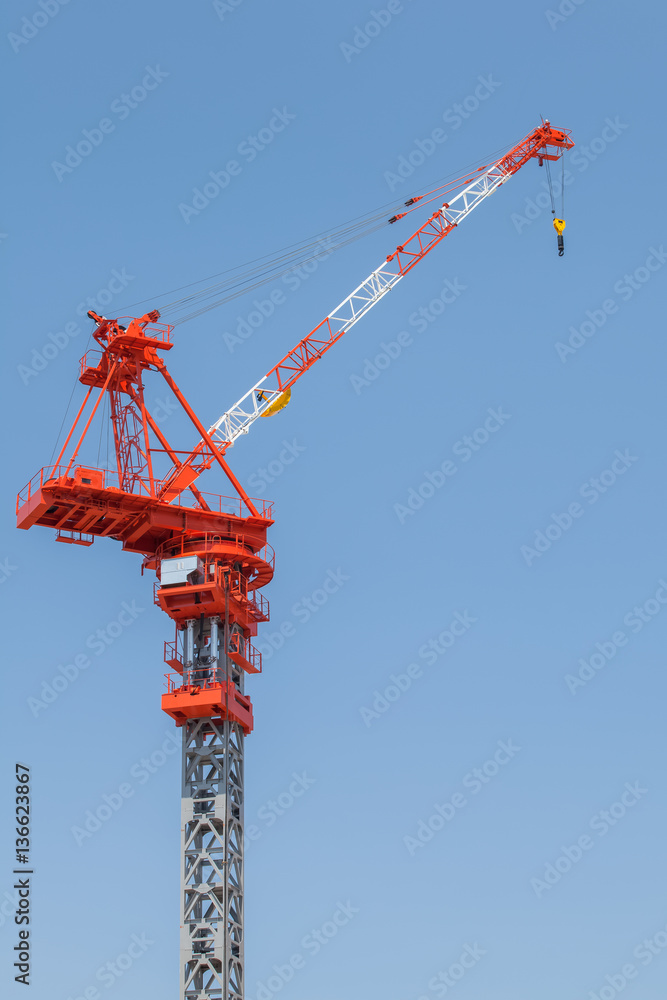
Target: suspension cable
point(246, 277)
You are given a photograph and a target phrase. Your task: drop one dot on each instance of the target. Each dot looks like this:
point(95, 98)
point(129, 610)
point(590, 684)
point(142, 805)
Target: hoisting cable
point(562, 183)
point(226, 291)
point(243, 278)
point(102, 423)
point(438, 192)
point(238, 284)
point(62, 422)
point(291, 252)
point(288, 262)
point(562, 191)
point(558, 224)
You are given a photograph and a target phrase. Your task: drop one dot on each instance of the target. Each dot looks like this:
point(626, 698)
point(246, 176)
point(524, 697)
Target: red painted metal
point(190, 698)
point(228, 534)
point(149, 514)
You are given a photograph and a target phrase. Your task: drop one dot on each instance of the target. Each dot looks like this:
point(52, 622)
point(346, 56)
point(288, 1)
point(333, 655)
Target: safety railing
point(253, 601)
point(172, 656)
point(50, 473)
point(244, 648)
point(155, 331)
point(141, 487)
point(90, 359)
point(36, 483)
point(74, 537)
point(258, 605)
point(202, 678)
point(222, 505)
point(212, 542)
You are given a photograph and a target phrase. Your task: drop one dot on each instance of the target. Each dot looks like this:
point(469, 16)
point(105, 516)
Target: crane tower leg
point(212, 838)
point(212, 861)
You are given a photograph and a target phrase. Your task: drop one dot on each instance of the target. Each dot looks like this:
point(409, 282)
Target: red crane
point(211, 557)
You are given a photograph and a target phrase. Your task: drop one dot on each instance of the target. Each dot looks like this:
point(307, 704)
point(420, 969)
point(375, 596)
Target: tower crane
point(211, 557)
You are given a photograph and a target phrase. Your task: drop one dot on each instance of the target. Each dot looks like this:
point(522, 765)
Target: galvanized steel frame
point(212, 860)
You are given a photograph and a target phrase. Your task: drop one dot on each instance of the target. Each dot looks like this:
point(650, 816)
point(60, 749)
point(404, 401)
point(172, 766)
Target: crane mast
point(211, 558)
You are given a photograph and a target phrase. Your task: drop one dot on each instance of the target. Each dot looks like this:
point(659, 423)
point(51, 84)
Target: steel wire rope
point(270, 274)
point(269, 271)
point(278, 258)
point(298, 246)
point(99, 443)
point(551, 190)
point(257, 284)
point(288, 262)
point(294, 250)
point(62, 422)
point(562, 185)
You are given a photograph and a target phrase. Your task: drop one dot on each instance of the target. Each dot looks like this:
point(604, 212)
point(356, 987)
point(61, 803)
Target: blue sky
point(543, 548)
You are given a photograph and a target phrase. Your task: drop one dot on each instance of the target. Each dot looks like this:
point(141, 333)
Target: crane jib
point(239, 418)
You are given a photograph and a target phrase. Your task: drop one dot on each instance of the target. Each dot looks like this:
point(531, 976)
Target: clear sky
point(453, 788)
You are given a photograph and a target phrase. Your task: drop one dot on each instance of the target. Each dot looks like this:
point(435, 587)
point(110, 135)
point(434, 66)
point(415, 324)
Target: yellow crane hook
point(559, 226)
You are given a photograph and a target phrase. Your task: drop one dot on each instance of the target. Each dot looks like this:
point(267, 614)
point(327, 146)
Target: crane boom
point(267, 393)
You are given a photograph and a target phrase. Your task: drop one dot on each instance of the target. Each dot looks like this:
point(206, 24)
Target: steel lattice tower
point(212, 834)
point(208, 701)
point(212, 860)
